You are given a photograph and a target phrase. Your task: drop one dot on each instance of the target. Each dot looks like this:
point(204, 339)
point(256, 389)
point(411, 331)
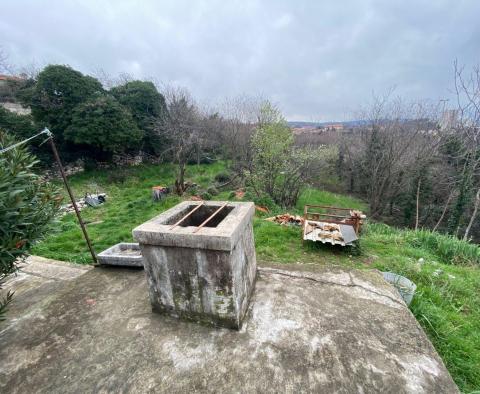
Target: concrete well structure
point(200, 273)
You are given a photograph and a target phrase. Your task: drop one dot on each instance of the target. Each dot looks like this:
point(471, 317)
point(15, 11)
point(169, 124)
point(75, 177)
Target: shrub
point(89, 164)
point(147, 107)
point(27, 205)
point(222, 177)
point(212, 190)
point(278, 169)
point(206, 196)
point(264, 200)
point(447, 247)
point(105, 124)
point(20, 126)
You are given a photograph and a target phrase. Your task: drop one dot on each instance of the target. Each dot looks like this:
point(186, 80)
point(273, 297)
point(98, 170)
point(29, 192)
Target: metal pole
point(210, 217)
point(187, 215)
point(74, 203)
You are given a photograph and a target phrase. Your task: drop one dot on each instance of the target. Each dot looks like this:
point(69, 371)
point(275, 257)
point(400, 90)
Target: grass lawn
point(447, 302)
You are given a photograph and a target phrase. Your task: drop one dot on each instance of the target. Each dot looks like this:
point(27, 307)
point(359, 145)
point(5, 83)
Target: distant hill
point(349, 123)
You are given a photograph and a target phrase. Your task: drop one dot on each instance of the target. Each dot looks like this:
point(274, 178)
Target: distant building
point(4, 79)
point(304, 129)
point(449, 119)
point(333, 127)
point(8, 86)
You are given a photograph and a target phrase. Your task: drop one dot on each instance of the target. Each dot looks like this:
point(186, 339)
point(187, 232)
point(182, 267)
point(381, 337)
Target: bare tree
point(4, 65)
point(473, 216)
point(396, 143)
point(182, 130)
point(30, 70)
point(444, 211)
point(109, 81)
point(240, 117)
point(466, 133)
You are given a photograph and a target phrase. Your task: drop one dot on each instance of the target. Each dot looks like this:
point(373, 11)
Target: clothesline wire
point(44, 131)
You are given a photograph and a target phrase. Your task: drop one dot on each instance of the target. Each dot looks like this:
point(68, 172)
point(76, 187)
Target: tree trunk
point(180, 181)
point(418, 204)
point(474, 214)
point(444, 211)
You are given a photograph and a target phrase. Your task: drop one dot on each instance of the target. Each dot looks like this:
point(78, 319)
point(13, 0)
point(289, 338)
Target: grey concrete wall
point(244, 267)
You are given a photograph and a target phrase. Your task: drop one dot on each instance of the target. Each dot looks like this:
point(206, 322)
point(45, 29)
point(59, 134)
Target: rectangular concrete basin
point(122, 254)
point(200, 273)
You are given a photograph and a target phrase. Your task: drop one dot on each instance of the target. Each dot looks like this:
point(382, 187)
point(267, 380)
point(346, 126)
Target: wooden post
point(72, 198)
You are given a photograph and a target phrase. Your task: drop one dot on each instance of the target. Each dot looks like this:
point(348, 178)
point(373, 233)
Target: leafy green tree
point(147, 106)
point(279, 169)
point(20, 126)
point(104, 124)
point(27, 205)
point(59, 89)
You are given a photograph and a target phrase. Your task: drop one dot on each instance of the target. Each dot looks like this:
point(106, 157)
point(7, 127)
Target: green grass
point(447, 302)
point(129, 203)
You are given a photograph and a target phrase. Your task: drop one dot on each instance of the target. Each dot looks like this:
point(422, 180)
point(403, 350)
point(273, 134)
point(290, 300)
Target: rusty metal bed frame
point(204, 222)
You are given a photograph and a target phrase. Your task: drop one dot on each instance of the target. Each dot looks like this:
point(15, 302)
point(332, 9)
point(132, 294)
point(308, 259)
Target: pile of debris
point(127, 160)
point(239, 194)
point(159, 192)
point(70, 169)
point(287, 219)
point(91, 200)
point(324, 231)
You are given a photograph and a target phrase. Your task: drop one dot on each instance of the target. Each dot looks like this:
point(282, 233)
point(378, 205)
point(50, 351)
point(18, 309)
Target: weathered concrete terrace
point(75, 330)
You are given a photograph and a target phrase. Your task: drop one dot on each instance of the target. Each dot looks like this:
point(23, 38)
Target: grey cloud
point(316, 60)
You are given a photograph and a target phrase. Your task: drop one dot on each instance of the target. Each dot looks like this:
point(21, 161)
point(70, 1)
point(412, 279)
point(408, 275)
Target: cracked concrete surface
point(333, 330)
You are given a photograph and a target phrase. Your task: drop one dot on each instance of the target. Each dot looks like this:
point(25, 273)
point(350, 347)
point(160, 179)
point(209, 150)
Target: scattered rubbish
point(159, 192)
point(92, 223)
point(323, 231)
point(239, 193)
point(92, 200)
point(405, 286)
point(95, 200)
point(123, 254)
point(69, 169)
point(421, 260)
point(261, 209)
point(437, 272)
point(337, 226)
point(286, 219)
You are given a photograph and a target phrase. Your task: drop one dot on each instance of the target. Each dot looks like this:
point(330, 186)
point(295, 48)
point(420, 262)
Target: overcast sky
point(317, 60)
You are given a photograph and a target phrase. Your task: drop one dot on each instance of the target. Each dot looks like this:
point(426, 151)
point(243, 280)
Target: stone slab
point(334, 330)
